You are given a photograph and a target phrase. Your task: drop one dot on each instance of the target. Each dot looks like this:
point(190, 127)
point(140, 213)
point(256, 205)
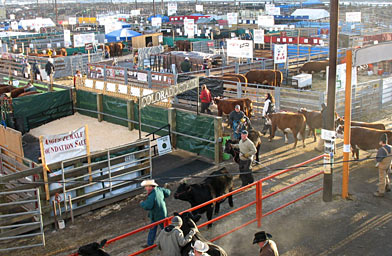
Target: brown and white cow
point(379, 126)
point(363, 138)
point(226, 106)
point(286, 121)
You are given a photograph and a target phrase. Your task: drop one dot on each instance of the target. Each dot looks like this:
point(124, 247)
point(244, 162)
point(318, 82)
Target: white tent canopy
point(314, 14)
point(37, 23)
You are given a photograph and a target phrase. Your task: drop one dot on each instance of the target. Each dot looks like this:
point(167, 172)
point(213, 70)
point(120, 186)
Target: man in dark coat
point(49, 68)
point(267, 246)
point(155, 205)
point(186, 66)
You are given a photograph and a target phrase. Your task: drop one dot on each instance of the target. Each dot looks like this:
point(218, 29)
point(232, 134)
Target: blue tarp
point(164, 18)
point(121, 35)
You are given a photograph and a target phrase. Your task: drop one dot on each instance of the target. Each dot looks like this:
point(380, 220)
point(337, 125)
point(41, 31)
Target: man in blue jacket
point(155, 205)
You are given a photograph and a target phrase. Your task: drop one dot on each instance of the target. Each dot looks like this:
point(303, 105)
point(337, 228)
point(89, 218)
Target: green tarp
point(86, 100)
point(155, 116)
point(114, 106)
point(35, 110)
point(198, 126)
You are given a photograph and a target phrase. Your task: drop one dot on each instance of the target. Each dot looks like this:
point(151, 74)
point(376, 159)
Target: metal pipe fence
point(257, 185)
point(34, 218)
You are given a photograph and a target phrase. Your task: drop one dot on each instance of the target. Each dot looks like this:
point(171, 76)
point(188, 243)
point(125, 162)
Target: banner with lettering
point(64, 146)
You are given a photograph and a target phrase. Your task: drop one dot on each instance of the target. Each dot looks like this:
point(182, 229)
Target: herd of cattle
point(14, 92)
point(363, 135)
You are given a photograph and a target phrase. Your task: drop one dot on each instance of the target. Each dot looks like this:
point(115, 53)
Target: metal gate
point(14, 218)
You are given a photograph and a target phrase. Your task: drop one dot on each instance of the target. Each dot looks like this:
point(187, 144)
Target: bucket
point(380, 71)
point(61, 224)
point(225, 155)
point(318, 131)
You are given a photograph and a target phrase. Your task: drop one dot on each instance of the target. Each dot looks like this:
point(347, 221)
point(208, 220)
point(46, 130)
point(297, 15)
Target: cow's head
point(340, 131)
point(232, 151)
point(216, 100)
point(302, 110)
point(183, 192)
point(339, 120)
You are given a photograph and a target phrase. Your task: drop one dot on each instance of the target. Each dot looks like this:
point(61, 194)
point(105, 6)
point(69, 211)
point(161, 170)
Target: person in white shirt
point(268, 109)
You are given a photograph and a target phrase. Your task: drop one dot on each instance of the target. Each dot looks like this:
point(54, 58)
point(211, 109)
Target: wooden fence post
point(218, 132)
point(172, 120)
point(277, 98)
point(100, 106)
point(130, 114)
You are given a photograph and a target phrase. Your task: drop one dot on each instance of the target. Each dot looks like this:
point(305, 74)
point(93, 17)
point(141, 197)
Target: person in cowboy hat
point(384, 159)
point(171, 239)
point(199, 249)
point(267, 246)
point(155, 205)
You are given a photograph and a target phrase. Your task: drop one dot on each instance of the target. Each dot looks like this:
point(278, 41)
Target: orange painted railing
point(258, 202)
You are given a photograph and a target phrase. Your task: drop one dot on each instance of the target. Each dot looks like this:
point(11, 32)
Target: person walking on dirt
point(205, 97)
point(155, 205)
point(234, 120)
point(267, 246)
point(384, 159)
point(268, 108)
point(171, 239)
point(247, 152)
point(36, 71)
point(186, 66)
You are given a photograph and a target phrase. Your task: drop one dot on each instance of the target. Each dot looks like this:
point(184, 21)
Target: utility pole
point(55, 8)
point(330, 118)
point(136, 3)
point(153, 6)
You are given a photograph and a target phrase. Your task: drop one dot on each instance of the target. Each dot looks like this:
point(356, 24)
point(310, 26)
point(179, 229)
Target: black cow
point(188, 222)
point(93, 249)
point(220, 183)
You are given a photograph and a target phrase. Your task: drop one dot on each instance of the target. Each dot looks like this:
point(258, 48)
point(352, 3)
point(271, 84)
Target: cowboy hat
point(149, 183)
point(261, 237)
point(200, 246)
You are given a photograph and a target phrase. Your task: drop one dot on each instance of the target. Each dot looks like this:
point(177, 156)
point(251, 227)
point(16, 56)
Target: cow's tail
point(301, 134)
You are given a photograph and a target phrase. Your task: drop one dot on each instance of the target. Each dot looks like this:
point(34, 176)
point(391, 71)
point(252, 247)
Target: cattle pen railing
point(258, 185)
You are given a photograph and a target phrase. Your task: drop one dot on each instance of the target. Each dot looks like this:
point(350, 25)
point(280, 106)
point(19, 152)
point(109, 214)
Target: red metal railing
point(259, 203)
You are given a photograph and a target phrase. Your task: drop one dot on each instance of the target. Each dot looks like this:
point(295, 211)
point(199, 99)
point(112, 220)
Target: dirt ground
point(310, 227)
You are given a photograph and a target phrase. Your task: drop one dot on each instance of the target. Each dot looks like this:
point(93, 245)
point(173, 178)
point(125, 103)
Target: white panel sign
point(328, 134)
point(64, 146)
point(72, 20)
point(232, 18)
point(189, 27)
point(341, 77)
point(353, 16)
point(135, 12)
point(156, 21)
point(199, 8)
point(280, 53)
point(240, 48)
point(387, 90)
point(171, 8)
point(258, 36)
point(164, 145)
point(265, 21)
point(67, 37)
point(142, 76)
point(14, 25)
point(81, 40)
point(12, 16)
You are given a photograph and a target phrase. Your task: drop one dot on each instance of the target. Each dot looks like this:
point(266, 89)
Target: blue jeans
point(152, 233)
